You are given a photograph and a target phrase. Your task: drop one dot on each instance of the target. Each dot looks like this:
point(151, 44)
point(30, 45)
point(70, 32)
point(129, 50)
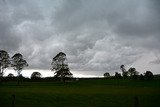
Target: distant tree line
point(131, 73)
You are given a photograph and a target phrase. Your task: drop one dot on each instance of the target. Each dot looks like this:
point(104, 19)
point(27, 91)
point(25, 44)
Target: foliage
point(122, 67)
point(141, 77)
point(124, 72)
point(60, 65)
point(148, 75)
point(36, 75)
point(10, 75)
point(4, 61)
point(18, 63)
point(106, 75)
point(133, 72)
point(118, 75)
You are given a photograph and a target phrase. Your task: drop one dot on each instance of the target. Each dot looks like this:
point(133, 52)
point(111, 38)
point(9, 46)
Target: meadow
point(82, 93)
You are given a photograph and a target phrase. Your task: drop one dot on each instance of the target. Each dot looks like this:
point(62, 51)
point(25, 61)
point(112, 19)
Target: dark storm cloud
point(8, 39)
point(134, 24)
point(96, 35)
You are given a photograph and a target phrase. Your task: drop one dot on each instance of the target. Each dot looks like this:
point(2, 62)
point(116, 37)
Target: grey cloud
point(97, 36)
point(157, 61)
point(23, 10)
point(8, 39)
point(107, 55)
point(136, 25)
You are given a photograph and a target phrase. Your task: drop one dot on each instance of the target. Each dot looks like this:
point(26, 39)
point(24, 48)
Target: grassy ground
point(82, 93)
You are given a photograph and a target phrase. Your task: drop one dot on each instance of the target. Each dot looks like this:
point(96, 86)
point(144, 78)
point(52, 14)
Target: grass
point(82, 93)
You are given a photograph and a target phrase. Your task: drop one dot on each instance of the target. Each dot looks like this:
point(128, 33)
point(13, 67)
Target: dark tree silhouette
point(148, 75)
point(106, 75)
point(133, 71)
point(124, 72)
point(141, 77)
point(118, 75)
point(60, 65)
point(36, 75)
point(18, 63)
point(4, 62)
point(10, 75)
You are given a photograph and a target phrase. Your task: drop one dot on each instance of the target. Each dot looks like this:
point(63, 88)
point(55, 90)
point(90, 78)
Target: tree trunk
point(18, 77)
point(63, 79)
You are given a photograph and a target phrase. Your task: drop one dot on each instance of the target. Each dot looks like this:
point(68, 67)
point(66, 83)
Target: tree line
point(131, 73)
point(59, 64)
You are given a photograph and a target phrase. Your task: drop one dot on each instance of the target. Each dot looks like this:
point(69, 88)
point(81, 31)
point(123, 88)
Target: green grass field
point(82, 93)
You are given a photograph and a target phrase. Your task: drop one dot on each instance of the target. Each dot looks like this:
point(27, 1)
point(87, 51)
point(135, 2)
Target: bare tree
point(60, 65)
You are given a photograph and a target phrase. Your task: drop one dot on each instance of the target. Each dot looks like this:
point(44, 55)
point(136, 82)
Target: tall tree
point(124, 72)
point(60, 65)
point(4, 62)
point(18, 63)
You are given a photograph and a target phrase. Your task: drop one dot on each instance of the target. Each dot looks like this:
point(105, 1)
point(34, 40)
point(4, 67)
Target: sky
point(97, 35)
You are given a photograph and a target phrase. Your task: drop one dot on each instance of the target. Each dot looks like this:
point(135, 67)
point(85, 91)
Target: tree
point(18, 63)
point(36, 75)
point(124, 72)
point(4, 62)
point(133, 71)
point(10, 75)
point(60, 65)
point(106, 75)
point(148, 75)
point(118, 75)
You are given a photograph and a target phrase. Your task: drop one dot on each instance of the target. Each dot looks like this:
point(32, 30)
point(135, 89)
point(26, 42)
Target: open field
point(82, 93)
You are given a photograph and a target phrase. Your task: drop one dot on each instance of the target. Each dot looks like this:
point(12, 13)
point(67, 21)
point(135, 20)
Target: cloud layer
point(97, 35)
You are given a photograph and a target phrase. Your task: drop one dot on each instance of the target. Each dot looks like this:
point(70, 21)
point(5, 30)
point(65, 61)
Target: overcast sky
point(96, 35)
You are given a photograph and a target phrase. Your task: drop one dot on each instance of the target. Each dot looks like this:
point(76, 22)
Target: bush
point(148, 75)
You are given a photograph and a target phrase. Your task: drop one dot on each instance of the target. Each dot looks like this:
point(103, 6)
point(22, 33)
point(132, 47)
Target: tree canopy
point(18, 63)
point(10, 75)
point(106, 75)
point(148, 75)
point(60, 65)
point(4, 61)
point(36, 75)
point(133, 71)
point(124, 72)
